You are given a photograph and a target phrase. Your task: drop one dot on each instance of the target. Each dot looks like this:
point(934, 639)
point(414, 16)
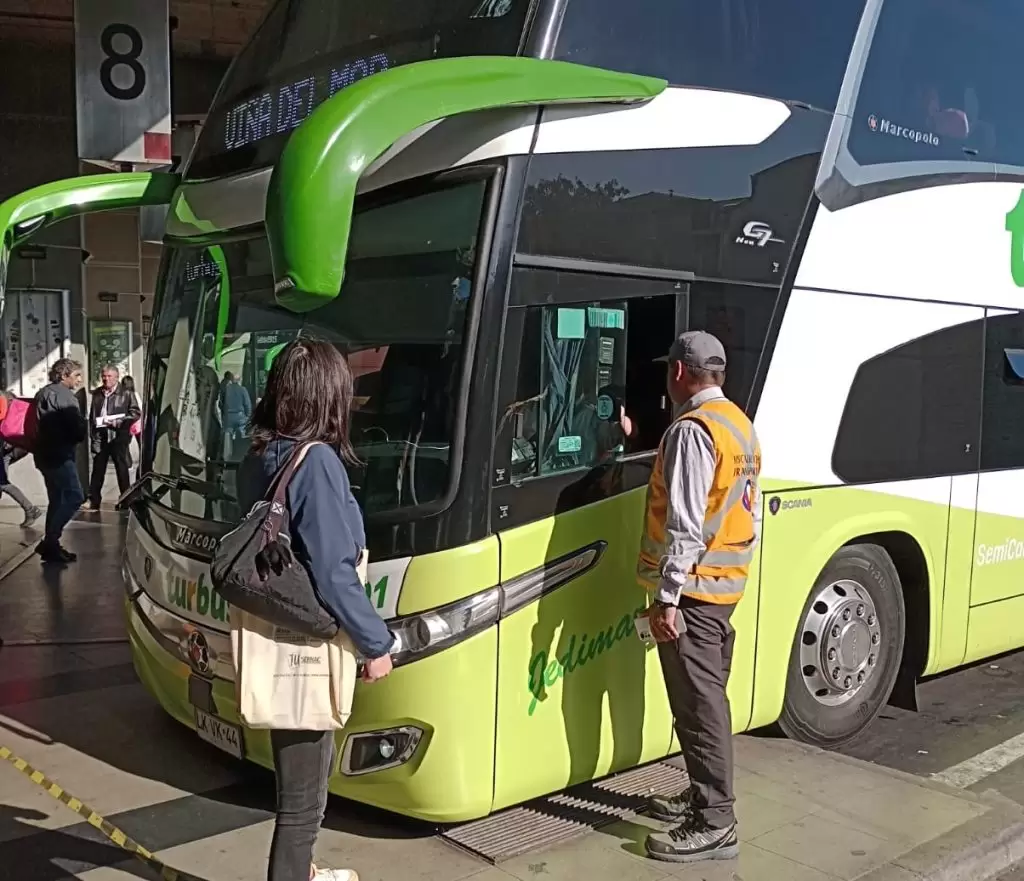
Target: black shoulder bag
point(254, 569)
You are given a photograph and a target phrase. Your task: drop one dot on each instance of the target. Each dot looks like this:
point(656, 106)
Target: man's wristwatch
point(661, 604)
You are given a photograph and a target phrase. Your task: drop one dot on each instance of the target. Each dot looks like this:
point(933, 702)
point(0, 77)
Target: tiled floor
point(76, 712)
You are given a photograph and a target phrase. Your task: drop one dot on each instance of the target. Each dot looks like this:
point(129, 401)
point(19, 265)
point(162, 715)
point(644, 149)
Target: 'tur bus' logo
point(1015, 227)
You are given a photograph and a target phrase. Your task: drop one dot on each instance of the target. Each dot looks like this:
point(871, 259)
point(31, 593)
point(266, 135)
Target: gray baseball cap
point(697, 348)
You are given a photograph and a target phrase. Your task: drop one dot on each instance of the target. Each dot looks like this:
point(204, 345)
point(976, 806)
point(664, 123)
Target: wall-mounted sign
point(108, 296)
point(110, 342)
point(122, 80)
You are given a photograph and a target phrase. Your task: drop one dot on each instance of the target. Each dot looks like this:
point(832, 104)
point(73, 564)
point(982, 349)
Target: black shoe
point(54, 553)
point(670, 808)
point(50, 553)
point(693, 841)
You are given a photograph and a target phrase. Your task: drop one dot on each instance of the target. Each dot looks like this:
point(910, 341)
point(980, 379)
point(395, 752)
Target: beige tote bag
point(284, 680)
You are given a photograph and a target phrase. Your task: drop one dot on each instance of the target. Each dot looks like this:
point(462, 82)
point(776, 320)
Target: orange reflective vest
point(720, 573)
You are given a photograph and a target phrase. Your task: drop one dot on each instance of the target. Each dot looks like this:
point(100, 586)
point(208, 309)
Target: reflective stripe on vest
point(719, 576)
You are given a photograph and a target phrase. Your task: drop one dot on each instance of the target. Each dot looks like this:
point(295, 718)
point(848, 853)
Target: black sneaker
point(670, 808)
point(693, 841)
point(68, 556)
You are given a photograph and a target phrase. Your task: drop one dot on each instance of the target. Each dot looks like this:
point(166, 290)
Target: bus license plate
point(220, 733)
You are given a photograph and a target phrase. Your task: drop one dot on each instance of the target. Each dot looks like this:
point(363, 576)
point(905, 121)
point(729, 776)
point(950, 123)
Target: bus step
point(557, 818)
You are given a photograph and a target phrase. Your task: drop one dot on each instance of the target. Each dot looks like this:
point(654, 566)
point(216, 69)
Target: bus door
point(579, 695)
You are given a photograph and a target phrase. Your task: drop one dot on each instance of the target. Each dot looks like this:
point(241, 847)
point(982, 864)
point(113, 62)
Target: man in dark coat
point(111, 414)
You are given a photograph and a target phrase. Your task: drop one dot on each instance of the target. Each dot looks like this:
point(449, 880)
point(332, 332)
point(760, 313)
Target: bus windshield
point(305, 51)
point(400, 320)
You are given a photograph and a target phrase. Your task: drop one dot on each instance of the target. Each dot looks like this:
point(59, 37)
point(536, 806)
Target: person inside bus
point(111, 413)
point(699, 536)
point(60, 428)
point(308, 397)
point(235, 410)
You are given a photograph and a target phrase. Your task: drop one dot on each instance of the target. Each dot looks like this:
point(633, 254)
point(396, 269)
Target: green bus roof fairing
point(313, 186)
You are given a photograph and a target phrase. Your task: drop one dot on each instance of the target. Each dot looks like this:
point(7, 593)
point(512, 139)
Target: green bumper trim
point(313, 187)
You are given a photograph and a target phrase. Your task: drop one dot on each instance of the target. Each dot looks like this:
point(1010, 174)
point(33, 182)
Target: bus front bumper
point(420, 743)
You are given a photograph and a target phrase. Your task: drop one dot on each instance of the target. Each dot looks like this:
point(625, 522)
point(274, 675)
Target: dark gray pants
point(696, 669)
point(302, 761)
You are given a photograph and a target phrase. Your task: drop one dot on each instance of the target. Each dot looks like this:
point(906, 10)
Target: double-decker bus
point(502, 211)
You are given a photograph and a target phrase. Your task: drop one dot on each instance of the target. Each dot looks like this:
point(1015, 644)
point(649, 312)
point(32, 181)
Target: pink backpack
point(18, 427)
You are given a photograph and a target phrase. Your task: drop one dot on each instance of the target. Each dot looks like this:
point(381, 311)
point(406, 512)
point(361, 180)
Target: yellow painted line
point(109, 830)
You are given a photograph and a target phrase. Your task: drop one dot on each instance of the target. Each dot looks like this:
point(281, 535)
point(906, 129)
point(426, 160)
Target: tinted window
point(790, 49)
point(1002, 429)
point(914, 411)
point(719, 212)
point(940, 83)
point(582, 364)
point(308, 50)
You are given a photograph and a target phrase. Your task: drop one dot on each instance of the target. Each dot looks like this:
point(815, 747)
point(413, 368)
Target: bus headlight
point(418, 636)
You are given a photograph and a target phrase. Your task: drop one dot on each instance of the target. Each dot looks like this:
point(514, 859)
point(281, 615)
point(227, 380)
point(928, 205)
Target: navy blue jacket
point(327, 535)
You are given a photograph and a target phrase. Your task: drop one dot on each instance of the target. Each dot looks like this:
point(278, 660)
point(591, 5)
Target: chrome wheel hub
point(840, 643)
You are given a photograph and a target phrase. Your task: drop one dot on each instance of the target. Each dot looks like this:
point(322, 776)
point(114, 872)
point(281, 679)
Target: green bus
point(501, 211)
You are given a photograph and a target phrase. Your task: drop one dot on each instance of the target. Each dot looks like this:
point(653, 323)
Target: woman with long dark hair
point(308, 397)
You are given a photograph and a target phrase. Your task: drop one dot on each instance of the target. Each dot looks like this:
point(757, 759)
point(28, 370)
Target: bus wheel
point(847, 651)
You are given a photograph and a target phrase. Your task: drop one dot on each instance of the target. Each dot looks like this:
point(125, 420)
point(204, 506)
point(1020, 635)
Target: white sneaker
point(335, 875)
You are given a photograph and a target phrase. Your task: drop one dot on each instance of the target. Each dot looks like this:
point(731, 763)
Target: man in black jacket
point(111, 414)
point(60, 428)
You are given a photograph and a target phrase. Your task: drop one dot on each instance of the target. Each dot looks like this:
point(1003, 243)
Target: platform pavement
point(75, 711)
point(16, 542)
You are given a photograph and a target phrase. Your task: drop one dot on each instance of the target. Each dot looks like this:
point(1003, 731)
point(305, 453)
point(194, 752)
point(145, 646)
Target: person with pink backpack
point(9, 454)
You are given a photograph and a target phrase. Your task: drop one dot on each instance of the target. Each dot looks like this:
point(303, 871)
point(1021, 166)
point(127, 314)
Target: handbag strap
point(278, 489)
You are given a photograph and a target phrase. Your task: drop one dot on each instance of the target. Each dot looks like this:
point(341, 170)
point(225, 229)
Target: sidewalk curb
point(978, 850)
point(986, 798)
point(23, 556)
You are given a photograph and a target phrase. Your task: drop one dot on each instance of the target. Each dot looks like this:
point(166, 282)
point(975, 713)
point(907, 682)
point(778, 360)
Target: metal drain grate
point(557, 818)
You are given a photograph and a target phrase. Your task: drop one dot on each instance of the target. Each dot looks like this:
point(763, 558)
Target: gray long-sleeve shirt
point(688, 460)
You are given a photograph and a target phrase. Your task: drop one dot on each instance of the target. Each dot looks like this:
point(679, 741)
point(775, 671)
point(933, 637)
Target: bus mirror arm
point(312, 188)
point(136, 492)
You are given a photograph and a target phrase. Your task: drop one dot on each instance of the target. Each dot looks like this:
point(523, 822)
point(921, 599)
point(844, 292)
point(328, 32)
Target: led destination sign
point(281, 109)
point(307, 51)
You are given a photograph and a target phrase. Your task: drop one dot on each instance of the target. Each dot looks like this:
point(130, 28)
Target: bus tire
point(847, 649)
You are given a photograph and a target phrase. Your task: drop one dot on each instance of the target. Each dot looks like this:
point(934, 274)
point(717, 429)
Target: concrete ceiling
point(206, 28)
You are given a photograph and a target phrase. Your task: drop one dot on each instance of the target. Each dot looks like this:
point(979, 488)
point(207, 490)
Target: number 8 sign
point(115, 59)
point(122, 60)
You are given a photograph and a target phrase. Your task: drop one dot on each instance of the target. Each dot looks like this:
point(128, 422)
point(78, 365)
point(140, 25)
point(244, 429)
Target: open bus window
point(582, 364)
point(400, 322)
point(575, 356)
